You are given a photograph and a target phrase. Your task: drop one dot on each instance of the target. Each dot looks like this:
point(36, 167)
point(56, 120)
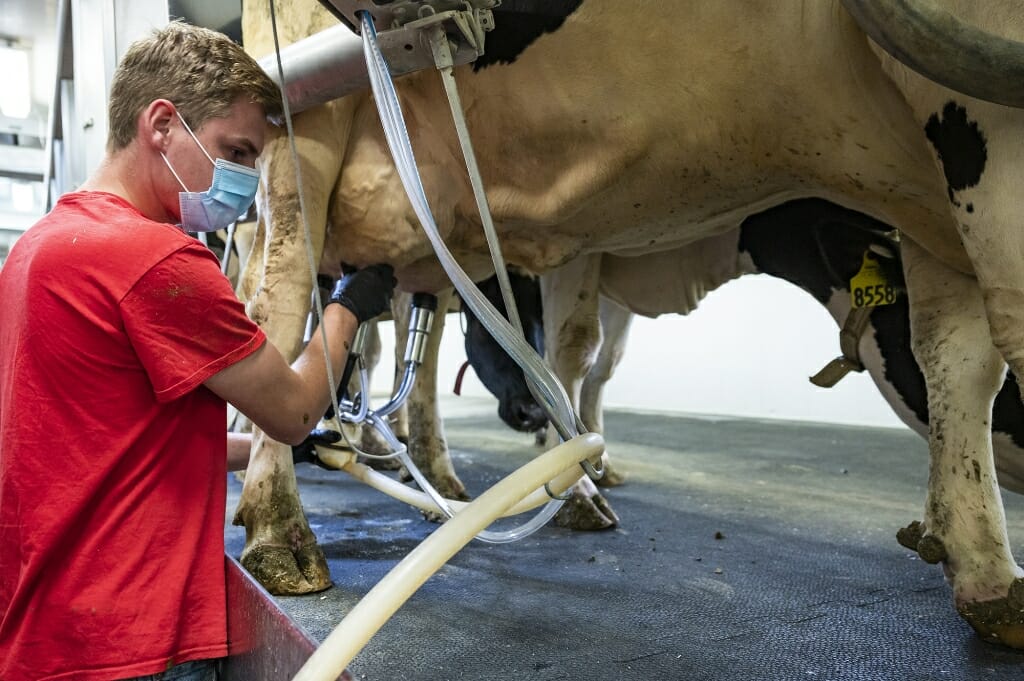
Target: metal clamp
point(564, 496)
point(401, 23)
point(595, 474)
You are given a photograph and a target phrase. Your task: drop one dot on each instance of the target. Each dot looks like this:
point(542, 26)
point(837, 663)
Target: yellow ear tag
point(869, 287)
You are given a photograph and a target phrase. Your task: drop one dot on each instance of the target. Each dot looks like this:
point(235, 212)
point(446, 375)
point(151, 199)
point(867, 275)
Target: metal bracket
point(389, 14)
point(400, 24)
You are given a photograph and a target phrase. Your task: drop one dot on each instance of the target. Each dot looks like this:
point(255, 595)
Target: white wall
point(748, 351)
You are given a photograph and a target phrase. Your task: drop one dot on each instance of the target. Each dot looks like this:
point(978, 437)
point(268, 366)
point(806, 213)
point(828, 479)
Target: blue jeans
point(196, 670)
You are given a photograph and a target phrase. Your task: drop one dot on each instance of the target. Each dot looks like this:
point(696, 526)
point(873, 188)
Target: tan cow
point(647, 125)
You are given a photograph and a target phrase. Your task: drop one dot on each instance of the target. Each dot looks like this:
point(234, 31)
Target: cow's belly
point(640, 215)
point(644, 154)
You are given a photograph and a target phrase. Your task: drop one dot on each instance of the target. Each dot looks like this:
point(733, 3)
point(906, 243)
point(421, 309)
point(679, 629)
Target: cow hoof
point(284, 573)
point(452, 488)
point(433, 516)
point(1001, 620)
point(582, 512)
point(438, 516)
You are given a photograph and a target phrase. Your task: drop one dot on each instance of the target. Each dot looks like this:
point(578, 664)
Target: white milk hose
point(375, 608)
point(552, 396)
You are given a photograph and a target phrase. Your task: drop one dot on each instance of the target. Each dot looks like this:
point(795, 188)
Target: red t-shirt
point(112, 452)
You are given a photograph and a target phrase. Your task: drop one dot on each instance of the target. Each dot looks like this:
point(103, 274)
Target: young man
point(120, 343)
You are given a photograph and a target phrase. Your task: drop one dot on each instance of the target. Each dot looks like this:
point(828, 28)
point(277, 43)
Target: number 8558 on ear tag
point(869, 287)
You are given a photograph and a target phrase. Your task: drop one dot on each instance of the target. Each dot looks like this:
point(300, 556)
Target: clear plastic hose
point(540, 519)
point(376, 419)
point(551, 395)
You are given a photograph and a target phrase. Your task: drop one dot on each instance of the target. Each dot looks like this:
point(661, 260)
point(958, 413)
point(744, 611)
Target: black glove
point(367, 292)
point(305, 451)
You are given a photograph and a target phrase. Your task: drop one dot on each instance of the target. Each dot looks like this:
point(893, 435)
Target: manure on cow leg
point(929, 547)
point(449, 487)
point(368, 440)
point(909, 536)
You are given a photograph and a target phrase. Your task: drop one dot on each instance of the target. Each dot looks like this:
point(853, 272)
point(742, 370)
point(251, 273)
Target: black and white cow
point(810, 243)
point(631, 128)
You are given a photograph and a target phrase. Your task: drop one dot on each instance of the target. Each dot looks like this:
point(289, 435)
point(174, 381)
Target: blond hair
point(201, 71)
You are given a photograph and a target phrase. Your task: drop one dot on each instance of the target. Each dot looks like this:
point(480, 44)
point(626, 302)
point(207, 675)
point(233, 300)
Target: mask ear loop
point(169, 167)
point(195, 139)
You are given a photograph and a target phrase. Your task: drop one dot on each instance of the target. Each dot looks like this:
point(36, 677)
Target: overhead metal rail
point(330, 64)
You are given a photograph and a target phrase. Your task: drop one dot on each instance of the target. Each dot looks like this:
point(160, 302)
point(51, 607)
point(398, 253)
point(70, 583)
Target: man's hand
point(305, 451)
point(366, 292)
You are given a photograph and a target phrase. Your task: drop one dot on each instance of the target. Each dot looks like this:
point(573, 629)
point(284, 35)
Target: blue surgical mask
point(229, 196)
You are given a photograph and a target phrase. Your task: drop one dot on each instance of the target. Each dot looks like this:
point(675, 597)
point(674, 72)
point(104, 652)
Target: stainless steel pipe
point(322, 67)
point(330, 64)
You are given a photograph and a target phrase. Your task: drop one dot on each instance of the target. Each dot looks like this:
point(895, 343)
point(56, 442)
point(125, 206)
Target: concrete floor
point(747, 550)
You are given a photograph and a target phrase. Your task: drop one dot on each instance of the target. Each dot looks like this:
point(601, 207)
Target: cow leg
point(281, 551)
point(572, 336)
point(964, 524)
point(615, 323)
point(428, 447)
point(979, 147)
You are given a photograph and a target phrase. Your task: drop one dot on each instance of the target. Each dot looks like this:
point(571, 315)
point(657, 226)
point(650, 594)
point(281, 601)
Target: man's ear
point(155, 123)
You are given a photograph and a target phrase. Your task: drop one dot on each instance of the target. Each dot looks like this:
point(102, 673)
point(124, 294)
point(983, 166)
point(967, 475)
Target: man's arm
point(286, 402)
